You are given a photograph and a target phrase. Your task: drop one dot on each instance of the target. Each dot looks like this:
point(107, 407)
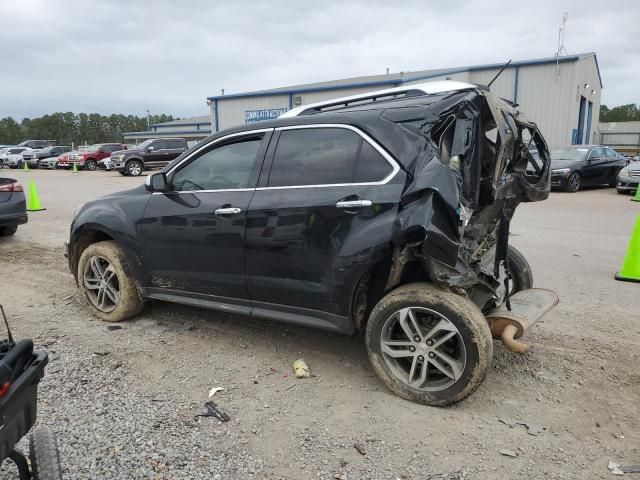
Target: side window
point(372, 166)
point(225, 167)
point(176, 144)
point(609, 153)
point(159, 145)
point(314, 156)
point(596, 153)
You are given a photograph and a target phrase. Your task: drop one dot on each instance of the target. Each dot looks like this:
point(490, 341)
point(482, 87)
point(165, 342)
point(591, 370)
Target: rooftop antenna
point(561, 49)
point(498, 74)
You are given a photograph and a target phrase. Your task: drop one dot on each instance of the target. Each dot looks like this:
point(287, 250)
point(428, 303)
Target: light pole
point(148, 121)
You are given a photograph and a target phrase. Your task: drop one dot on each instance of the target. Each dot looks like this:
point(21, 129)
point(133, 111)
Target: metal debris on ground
point(301, 368)
point(114, 327)
point(215, 390)
point(360, 448)
point(508, 453)
point(532, 428)
point(212, 410)
point(614, 468)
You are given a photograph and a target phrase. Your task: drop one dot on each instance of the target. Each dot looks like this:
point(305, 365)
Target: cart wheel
point(44, 454)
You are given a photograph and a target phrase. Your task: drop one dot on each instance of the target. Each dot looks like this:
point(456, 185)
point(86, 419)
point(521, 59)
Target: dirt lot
point(123, 401)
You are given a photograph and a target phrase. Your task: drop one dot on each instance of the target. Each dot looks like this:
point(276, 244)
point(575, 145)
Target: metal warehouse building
point(191, 129)
point(561, 94)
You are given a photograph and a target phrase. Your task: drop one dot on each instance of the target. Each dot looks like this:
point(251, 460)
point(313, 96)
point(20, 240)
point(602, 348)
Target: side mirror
point(149, 149)
point(156, 182)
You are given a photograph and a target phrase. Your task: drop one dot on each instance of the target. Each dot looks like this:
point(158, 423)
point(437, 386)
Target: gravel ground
point(123, 402)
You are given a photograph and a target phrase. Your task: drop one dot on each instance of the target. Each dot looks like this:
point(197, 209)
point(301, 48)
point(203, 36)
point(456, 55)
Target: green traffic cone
point(33, 202)
point(74, 169)
point(636, 197)
point(630, 271)
point(25, 165)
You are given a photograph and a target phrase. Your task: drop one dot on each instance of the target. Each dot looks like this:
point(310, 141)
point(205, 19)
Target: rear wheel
point(573, 182)
point(90, 165)
point(44, 455)
point(8, 231)
point(106, 282)
point(134, 168)
point(520, 275)
point(429, 345)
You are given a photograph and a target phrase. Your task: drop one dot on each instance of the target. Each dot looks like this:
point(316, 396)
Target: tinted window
point(609, 153)
point(314, 156)
point(175, 144)
point(159, 145)
point(596, 153)
point(371, 167)
point(225, 167)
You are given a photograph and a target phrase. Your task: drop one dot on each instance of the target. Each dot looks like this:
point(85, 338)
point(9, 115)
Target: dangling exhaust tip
point(511, 343)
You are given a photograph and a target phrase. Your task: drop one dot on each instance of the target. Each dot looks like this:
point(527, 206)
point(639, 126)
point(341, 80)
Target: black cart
point(21, 369)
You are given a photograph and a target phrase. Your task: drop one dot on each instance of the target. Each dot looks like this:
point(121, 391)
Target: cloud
point(121, 56)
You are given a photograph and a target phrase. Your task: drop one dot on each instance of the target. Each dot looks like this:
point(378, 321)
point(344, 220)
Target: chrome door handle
point(228, 211)
point(354, 203)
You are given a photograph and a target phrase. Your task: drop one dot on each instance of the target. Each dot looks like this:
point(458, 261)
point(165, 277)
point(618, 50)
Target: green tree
point(10, 132)
point(621, 113)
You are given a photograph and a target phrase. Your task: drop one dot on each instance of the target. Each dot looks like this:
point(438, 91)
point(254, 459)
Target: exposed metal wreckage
point(477, 159)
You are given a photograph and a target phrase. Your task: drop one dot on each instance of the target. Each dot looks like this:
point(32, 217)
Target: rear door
point(323, 211)
point(193, 236)
point(174, 150)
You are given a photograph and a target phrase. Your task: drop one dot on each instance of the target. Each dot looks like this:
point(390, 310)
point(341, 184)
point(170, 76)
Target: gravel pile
point(106, 430)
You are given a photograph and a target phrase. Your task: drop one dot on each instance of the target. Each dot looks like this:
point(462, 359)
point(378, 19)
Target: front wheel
point(134, 168)
point(429, 345)
point(44, 455)
point(107, 283)
point(573, 182)
point(90, 165)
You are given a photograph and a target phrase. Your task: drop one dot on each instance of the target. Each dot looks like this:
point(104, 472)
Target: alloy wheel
point(574, 182)
point(101, 284)
point(423, 349)
point(134, 169)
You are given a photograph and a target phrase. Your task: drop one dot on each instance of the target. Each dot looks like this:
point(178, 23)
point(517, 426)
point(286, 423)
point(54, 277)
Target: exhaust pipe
point(527, 307)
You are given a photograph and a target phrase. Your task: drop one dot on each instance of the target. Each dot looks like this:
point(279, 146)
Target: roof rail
point(428, 88)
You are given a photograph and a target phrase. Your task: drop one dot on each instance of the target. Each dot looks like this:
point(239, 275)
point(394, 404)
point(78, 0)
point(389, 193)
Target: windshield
point(92, 148)
point(16, 150)
point(569, 153)
point(46, 149)
point(144, 145)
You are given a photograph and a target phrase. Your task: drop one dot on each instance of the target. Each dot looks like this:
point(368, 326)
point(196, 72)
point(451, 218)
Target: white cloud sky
point(125, 56)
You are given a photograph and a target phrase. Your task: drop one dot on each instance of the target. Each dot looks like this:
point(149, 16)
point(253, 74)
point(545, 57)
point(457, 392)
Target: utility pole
point(148, 121)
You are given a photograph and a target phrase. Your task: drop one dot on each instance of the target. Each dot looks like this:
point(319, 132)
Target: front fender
point(117, 218)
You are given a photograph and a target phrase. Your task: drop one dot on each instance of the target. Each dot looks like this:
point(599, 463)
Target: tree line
point(622, 113)
point(67, 128)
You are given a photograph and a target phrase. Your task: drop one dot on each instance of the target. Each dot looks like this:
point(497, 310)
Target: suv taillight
point(11, 187)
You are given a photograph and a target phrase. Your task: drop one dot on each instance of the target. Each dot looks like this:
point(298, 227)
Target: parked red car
point(89, 157)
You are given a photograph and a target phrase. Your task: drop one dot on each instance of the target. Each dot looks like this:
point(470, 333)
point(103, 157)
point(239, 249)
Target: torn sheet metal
point(474, 159)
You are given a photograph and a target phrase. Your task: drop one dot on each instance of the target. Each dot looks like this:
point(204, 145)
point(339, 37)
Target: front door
point(595, 167)
point(322, 214)
point(193, 236)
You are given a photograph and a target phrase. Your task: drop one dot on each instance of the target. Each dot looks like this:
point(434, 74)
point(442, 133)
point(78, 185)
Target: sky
point(129, 56)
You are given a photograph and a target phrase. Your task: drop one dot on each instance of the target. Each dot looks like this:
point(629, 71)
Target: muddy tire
point(107, 283)
point(44, 455)
point(8, 231)
point(519, 270)
point(429, 345)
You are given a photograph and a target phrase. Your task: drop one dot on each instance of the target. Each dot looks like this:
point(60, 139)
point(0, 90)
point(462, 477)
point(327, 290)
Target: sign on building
point(252, 116)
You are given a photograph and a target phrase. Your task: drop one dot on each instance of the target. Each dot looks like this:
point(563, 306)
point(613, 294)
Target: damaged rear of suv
point(385, 212)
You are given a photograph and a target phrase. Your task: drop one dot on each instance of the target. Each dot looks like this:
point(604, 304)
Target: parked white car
point(12, 157)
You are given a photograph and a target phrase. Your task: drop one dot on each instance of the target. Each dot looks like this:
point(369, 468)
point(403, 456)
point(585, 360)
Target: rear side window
point(372, 166)
point(325, 156)
point(176, 144)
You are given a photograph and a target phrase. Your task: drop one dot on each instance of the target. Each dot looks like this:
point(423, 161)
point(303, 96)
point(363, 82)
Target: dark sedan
point(13, 208)
point(579, 166)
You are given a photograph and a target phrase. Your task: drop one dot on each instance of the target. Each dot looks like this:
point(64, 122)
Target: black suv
point(386, 213)
point(149, 154)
